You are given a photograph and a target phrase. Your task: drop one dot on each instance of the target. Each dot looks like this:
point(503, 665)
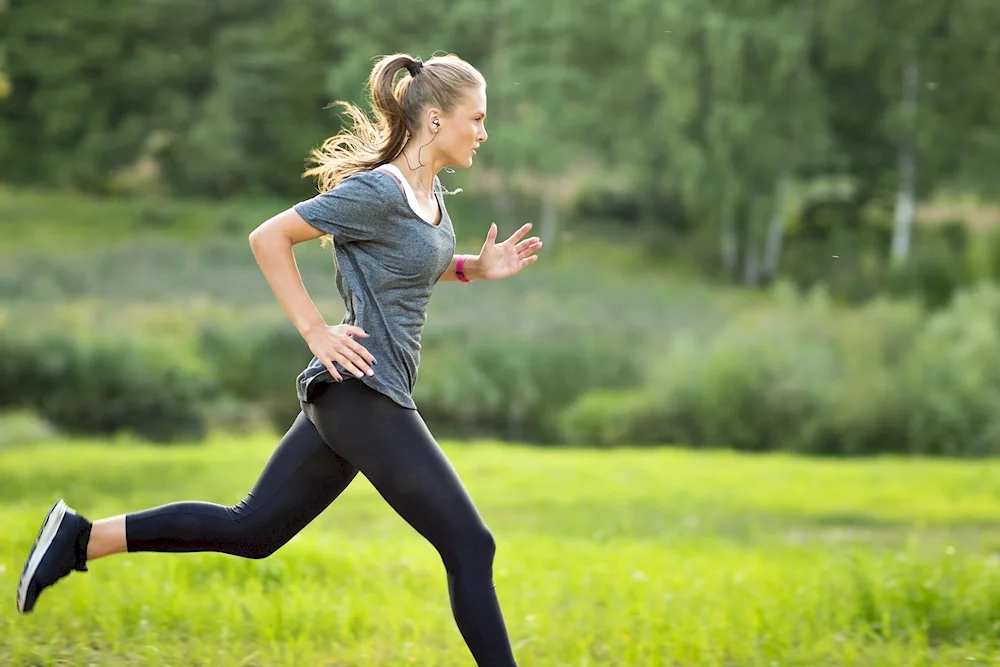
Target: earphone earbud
point(437, 124)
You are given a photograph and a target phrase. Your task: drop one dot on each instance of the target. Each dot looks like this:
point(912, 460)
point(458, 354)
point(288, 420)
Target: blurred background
point(768, 225)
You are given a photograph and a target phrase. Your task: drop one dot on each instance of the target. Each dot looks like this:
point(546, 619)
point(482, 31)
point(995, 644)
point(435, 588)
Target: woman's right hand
point(337, 344)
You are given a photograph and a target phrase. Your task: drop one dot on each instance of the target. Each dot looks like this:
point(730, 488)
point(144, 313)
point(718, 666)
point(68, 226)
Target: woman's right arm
point(271, 244)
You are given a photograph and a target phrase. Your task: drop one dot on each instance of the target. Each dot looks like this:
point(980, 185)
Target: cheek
point(460, 140)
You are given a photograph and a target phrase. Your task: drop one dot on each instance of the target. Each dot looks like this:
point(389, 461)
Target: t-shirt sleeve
point(348, 212)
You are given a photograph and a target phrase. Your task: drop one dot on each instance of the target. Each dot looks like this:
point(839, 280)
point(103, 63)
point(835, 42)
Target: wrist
point(311, 328)
point(468, 267)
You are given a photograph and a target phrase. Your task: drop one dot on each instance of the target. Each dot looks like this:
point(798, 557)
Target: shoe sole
point(50, 526)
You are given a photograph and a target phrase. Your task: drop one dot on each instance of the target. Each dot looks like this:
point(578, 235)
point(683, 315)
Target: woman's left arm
point(496, 260)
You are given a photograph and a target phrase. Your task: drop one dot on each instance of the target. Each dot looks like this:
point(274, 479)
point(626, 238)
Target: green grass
point(628, 557)
point(148, 266)
point(47, 220)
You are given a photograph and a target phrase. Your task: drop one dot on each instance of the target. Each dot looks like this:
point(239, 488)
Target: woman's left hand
point(502, 260)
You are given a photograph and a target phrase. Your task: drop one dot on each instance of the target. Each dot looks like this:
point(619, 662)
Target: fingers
point(328, 363)
point(352, 330)
point(528, 246)
point(491, 235)
point(355, 358)
point(519, 234)
point(360, 350)
point(343, 349)
point(353, 364)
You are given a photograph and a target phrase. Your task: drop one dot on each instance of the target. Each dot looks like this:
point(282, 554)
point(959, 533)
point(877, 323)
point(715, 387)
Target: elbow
point(255, 237)
point(267, 240)
point(259, 238)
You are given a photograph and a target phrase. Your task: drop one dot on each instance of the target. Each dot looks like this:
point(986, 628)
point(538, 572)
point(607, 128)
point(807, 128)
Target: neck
point(419, 172)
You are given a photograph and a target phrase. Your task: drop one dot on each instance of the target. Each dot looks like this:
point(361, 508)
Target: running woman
point(381, 204)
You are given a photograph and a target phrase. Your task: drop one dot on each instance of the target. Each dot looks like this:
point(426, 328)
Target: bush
point(103, 386)
point(514, 388)
point(952, 379)
point(794, 373)
point(752, 387)
point(22, 428)
point(469, 384)
point(812, 378)
point(256, 364)
point(934, 271)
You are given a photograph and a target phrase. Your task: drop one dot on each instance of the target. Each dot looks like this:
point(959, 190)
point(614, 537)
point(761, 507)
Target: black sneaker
point(58, 550)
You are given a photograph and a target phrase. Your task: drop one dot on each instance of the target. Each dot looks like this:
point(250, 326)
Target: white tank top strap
point(411, 196)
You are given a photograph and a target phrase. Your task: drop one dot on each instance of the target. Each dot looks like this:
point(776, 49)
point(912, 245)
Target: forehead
point(473, 101)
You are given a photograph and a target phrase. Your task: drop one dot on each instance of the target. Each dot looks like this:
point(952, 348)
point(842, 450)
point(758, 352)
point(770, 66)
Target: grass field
point(626, 557)
point(187, 260)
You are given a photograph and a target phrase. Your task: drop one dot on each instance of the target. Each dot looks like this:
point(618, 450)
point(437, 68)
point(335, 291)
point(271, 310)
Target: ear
point(432, 114)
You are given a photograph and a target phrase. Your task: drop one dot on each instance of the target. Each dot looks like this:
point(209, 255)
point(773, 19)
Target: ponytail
point(367, 144)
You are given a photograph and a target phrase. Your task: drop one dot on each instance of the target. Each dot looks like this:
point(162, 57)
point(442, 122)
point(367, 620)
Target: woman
point(382, 204)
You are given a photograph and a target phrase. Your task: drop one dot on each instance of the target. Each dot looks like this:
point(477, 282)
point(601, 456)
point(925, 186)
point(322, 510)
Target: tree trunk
point(549, 218)
point(751, 265)
point(730, 243)
point(752, 245)
point(776, 228)
point(902, 233)
point(502, 200)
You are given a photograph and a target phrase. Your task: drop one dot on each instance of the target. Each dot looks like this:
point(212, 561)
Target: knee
point(484, 545)
point(475, 549)
point(250, 539)
point(257, 550)
point(255, 544)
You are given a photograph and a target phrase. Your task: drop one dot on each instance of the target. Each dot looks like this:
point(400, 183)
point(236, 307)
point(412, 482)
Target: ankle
point(106, 538)
point(80, 550)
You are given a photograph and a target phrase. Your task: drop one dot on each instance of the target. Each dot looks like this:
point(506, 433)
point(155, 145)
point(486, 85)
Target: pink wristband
point(460, 269)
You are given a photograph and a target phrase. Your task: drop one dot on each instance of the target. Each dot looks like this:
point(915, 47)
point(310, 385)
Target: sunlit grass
point(627, 557)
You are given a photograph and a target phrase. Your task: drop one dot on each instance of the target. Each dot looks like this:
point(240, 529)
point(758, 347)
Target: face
point(463, 130)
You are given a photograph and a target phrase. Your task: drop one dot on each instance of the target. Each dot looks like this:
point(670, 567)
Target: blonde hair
point(440, 82)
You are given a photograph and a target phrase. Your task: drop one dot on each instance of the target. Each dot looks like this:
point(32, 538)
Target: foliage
point(799, 374)
point(813, 378)
point(512, 388)
point(498, 358)
point(720, 122)
point(103, 386)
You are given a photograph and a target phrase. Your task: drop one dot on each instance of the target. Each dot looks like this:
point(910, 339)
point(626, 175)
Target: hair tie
point(414, 67)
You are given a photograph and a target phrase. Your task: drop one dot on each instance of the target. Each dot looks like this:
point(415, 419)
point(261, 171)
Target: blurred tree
point(735, 114)
point(888, 52)
point(539, 69)
point(264, 107)
point(964, 93)
point(717, 124)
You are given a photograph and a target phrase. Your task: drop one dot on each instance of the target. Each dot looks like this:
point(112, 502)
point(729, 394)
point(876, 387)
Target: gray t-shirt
point(387, 260)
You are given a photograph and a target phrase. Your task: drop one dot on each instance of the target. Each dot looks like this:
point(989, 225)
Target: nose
point(482, 134)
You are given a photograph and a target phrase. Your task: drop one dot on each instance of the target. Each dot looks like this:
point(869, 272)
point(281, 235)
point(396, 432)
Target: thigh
point(301, 478)
point(394, 449)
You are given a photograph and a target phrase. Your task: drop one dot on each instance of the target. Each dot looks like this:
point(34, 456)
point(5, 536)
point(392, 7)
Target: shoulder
point(356, 209)
point(370, 190)
point(372, 180)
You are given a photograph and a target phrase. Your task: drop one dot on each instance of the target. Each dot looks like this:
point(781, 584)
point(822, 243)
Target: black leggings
point(349, 428)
